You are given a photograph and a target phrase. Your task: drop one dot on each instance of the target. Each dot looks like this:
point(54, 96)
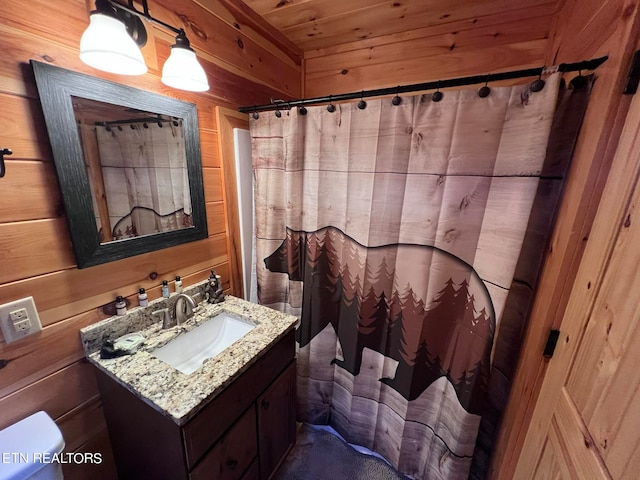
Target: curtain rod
point(416, 87)
point(113, 123)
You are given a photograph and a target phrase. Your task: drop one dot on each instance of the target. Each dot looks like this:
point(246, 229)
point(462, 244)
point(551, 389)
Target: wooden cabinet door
point(276, 421)
point(233, 454)
point(586, 424)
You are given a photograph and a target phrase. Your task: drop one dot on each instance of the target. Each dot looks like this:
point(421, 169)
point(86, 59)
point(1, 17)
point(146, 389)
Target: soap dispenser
point(213, 289)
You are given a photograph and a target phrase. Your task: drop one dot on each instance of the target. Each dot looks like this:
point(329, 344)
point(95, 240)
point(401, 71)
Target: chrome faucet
point(182, 302)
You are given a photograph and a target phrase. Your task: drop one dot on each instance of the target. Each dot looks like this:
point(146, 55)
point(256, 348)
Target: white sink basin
point(188, 351)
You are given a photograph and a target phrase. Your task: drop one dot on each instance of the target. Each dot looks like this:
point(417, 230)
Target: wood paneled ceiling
point(322, 24)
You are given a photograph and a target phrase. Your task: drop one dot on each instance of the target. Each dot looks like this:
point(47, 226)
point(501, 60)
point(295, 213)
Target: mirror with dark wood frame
point(128, 165)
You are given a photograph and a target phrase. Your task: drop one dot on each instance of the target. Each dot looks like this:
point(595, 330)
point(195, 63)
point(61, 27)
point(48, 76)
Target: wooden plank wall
point(583, 29)
point(246, 63)
point(476, 40)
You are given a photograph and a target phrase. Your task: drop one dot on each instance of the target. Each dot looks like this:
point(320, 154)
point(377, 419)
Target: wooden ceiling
point(322, 24)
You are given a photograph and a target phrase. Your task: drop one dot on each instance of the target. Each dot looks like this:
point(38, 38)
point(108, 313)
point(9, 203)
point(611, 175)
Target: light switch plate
point(9, 331)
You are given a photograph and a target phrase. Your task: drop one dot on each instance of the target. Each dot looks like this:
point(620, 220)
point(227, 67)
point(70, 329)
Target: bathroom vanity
point(232, 418)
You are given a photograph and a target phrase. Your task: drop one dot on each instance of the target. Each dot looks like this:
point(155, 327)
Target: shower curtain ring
point(484, 91)
point(437, 95)
point(362, 104)
point(537, 85)
point(331, 107)
point(579, 81)
point(395, 101)
point(302, 110)
point(278, 112)
point(255, 114)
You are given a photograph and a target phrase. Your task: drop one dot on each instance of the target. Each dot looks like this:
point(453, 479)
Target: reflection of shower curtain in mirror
point(145, 177)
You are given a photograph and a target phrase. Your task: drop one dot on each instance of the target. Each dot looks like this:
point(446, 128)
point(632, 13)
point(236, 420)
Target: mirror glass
point(128, 164)
point(137, 169)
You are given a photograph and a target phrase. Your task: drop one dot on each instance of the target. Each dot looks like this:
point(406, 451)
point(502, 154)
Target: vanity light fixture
point(113, 39)
point(182, 69)
point(107, 45)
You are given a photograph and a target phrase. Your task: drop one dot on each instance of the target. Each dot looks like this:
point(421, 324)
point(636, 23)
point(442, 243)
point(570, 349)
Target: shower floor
point(320, 454)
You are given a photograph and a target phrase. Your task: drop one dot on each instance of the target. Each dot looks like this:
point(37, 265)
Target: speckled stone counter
point(169, 391)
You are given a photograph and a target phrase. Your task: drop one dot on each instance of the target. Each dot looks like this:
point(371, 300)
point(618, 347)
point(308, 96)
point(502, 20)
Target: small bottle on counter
point(143, 299)
point(178, 285)
point(165, 289)
point(121, 306)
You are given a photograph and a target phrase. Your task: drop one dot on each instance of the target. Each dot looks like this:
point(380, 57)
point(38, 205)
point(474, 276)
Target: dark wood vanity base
point(243, 433)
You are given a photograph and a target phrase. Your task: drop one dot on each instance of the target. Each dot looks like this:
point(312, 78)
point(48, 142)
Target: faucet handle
point(166, 318)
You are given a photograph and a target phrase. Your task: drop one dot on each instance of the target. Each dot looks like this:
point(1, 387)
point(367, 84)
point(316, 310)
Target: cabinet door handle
point(231, 463)
point(264, 404)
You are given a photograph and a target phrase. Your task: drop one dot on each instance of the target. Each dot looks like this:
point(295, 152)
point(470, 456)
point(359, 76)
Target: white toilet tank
point(27, 449)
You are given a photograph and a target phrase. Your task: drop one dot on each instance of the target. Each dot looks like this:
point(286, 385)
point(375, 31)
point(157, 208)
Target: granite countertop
point(174, 394)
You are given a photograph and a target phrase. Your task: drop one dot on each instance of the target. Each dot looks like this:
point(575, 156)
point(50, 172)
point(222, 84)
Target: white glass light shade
point(183, 71)
point(107, 46)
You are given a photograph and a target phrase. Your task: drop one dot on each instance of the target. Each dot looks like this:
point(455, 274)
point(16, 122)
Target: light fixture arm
point(130, 8)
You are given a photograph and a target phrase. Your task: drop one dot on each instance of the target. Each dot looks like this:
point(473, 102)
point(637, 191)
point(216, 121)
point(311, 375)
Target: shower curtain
point(394, 233)
point(144, 170)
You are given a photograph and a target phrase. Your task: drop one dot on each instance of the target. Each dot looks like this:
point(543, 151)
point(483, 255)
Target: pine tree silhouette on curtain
point(329, 264)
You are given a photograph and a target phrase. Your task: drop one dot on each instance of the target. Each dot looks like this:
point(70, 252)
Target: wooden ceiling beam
point(245, 15)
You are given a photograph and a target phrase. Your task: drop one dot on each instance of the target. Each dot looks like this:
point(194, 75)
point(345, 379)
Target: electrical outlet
point(22, 326)
point(18, 315)
point(19, 319)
